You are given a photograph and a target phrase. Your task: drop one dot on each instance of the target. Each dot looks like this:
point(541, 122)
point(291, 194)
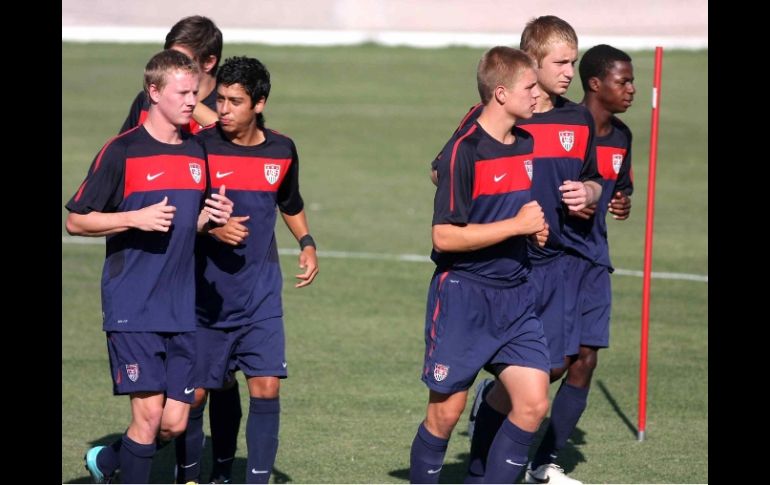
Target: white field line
point(320, 37)
point(412, 258)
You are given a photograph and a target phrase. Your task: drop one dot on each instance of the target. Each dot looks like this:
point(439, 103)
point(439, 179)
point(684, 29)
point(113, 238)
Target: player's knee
point(170, 429)
point(264, 387)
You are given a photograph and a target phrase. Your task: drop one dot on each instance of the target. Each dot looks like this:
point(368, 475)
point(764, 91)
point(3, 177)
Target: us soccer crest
point(617, 160)
point(440, 371)
point(272, 171)
point(133, 372)
point(195, 171)
point(528, 168)
point(567, 139)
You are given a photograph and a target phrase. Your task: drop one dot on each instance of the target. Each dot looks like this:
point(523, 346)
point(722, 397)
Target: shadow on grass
point(616, 408)
point(164, 461)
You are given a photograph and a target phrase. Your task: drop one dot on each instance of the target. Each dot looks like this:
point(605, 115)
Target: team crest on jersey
point(133, 372)
point(617, 160)
point(440, 371)
point(567, 139)
point(528, 168)
point(195, 171)
point(272, 171)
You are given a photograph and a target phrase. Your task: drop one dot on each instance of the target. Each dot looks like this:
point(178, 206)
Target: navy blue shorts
point(590, 297)
point(548, 279)
point(153, 362)
point(469, 324)
point(257, 349)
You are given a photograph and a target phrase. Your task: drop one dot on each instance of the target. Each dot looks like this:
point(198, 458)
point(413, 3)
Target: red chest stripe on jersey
point(559, 140)
point(247, 173)
point(609, 160)
point(502, 175)
point(164, 172)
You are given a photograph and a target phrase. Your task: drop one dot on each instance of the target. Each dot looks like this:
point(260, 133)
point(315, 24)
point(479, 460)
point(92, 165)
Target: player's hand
point(219, 208)
point(585, 213)
point(233, 232)
point(574, 195)
point(530, 218)
point(540, 237)
point(309, 262)
point(156, 217)
point(620, 206)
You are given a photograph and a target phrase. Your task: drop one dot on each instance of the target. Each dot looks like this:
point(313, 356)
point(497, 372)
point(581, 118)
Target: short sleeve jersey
point(613, 155)
point(481, 181)
point(563, 138)
point(238, 285)
point(148, 282)
point(138, 112)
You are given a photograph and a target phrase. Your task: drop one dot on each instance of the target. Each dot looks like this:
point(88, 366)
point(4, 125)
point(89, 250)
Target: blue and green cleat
point(90, 458)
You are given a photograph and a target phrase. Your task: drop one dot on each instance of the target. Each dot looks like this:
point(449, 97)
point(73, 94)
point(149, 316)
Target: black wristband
point(305, 241)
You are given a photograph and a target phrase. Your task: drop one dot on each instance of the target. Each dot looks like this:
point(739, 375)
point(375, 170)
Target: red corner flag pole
point(648, 244)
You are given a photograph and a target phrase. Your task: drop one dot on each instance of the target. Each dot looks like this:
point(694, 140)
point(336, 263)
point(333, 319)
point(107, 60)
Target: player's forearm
point(297, 224)
point(593, 192)
point(96, 224)
point(204, 115)
point(450, 238)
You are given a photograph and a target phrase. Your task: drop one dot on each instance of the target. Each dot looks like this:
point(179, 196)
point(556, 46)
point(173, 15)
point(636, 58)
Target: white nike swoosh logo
point(433, 472)
point(497, 179)
point(150, 178)
point(189, 390)
point(190, 466)
point(224, 174)
point(259, 472)
point(283, 364)
point(510, 462)
point(222, 460)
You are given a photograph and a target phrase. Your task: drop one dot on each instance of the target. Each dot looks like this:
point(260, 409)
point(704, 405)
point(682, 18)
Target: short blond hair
point(166, 62)
point(542, 32)
point(500, 66)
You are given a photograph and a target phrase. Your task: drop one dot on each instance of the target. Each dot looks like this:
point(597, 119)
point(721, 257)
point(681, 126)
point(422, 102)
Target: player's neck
point(602, 116)
point(545, 103)
point(497, 124)
point(207, 84)
point(250, 137)
point(161, 129)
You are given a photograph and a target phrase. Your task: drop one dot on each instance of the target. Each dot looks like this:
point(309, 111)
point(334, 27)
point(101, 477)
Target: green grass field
point(367, 120)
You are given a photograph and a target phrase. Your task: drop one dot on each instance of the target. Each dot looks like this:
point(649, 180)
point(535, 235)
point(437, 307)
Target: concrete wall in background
point(682, 18)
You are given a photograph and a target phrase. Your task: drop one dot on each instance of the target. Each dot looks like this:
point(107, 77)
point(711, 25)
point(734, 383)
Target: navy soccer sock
point(189, 447)
point(568, 405)
point(108, 460)
point(135, 461)
point(426, 457)
point(488, 421)
point(225, 419)
point(508, 453)
point(262, 438)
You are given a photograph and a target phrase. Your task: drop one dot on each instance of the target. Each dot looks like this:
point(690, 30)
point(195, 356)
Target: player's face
point(557, 68)
point(616, 89)
point(177, 99)
point(236, 115)
point(522, 96)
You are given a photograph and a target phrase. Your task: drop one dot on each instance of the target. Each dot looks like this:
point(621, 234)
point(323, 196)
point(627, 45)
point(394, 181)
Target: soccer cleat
point(482, 388)
point(90, 458)
point(550, 473)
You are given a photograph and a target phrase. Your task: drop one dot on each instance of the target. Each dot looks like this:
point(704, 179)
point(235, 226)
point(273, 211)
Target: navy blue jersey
point(138, 112)
point(148, 282)
point(241, 285)
point(480, 181)
point(563, 140)
point(613, 155)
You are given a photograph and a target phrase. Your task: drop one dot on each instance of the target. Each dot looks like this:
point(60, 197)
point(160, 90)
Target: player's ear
point(501, 94)
point(594, 83)
point(208, 64)
point(153, 92)
point(260, 105)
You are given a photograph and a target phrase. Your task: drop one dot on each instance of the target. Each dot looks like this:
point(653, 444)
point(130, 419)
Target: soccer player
point(480, 309)
point(565, 178)
point(240, 315)
point(144, 191)
point(201, 40)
